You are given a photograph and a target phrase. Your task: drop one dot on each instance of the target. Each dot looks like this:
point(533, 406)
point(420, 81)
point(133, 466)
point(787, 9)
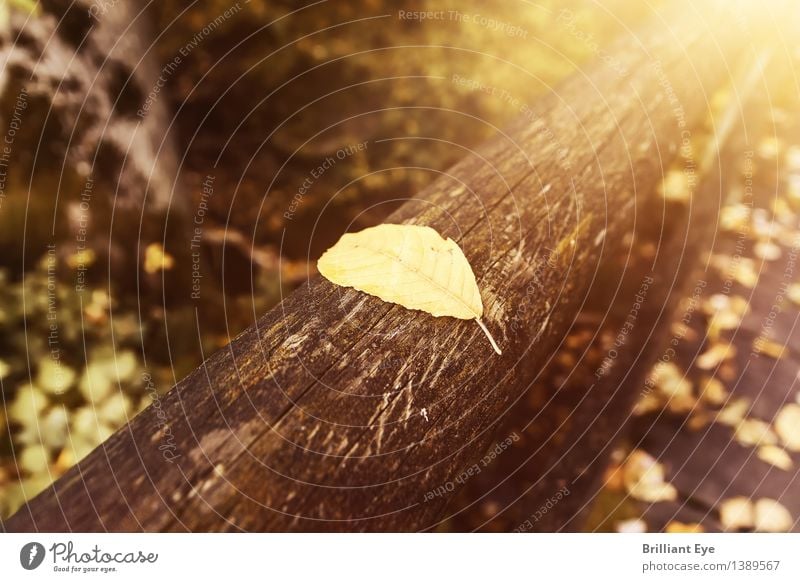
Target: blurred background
point(184, 172)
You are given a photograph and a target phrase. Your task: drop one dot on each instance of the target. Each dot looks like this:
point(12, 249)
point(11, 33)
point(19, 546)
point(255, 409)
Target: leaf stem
point(489, 336)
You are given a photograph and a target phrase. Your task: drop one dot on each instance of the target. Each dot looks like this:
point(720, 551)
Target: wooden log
point(337, 411)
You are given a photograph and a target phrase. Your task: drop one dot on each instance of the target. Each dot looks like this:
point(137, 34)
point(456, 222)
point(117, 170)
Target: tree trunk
point(88, 158)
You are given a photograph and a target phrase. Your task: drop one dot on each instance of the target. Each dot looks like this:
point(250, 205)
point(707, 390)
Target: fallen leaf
point(721, 302)
point(715, 355)
point(735, 218)
point(737, 513)
point(670, 380)
point(676, 187)
point(631, 526)
point(745, 274)
point(410, 265)
point(698, 420)
point(782, 211)
point(793, 158)
point(741, 269)
point(734, 412)
point(767, 251)
point(793, 293)
point(681, 404)
point(84, 258)
point(34, 459)
point(769, 348)
point(764, 225)
point(754, 432)
point(54, 376)
point(678, 527)
point(28, 403)
point(725, 313)
point(650, 402)
point(775, 456)
point(787, 425)
point(771, 516)
point(157, 259)
point(794, 190)
point(713, 391)
point(644, 478)
point(727, 372)
point(674, 387)
point(770, 147)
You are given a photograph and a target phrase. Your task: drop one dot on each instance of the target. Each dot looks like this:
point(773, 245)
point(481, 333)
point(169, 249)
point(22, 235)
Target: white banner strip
point(401, 557)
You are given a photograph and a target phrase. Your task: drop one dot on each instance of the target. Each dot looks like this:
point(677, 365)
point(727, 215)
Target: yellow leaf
point(670, 380)
point(794, 293)
point(775, 456)
point(734, 412)
point(772, 516)
point(737, 513)
point(724, 313)
point(713, 391)
point(782, 210)
point(765, 347)
point(767, 251)
point(634, 525)
point(787, 425)
point(678, 527)
point(157, 259)
point(735, 218)
point(681, 404)
point(34, 459)
point(719, 302)
point(82, 258)
point(650, 402)
point(54, 376)
point(754, 432)
point(672, 384)
point(643, 477)
point(676, 187)
point(412, 266)
point(715, 355)
point(698, 420)
point(770, 147)
point(793, 157)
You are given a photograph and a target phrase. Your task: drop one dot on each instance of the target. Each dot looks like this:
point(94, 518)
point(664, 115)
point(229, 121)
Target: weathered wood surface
point(340, 412)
